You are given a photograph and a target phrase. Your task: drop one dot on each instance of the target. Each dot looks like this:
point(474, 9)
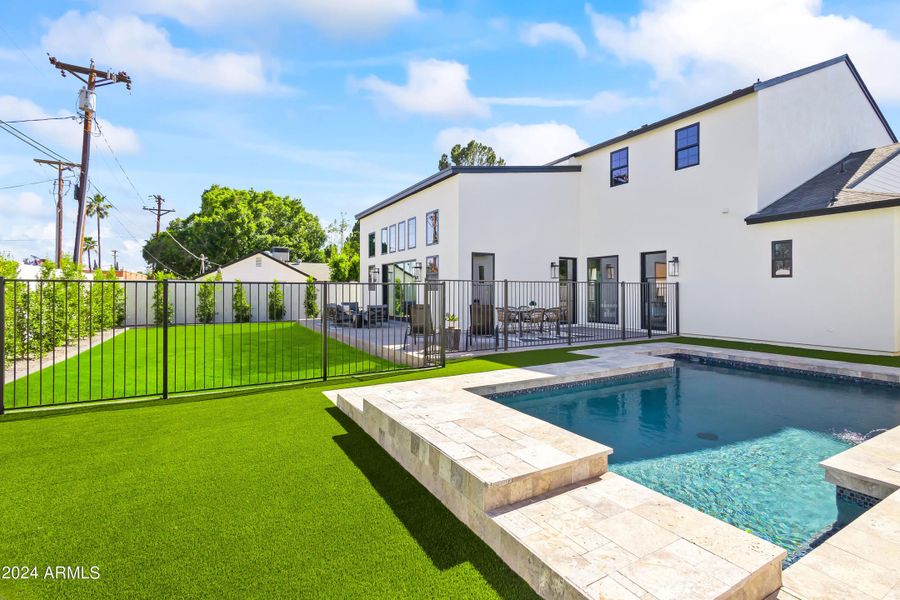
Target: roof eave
point(818, 212)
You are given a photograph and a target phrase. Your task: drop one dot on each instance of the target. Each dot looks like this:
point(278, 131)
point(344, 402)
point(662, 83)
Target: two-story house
point(776, 207)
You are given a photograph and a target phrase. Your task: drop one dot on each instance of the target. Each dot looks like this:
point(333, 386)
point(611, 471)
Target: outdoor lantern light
point(554, 270)
point(673, 267)
point(417, 270)
point(610, 272)
point(373, 273)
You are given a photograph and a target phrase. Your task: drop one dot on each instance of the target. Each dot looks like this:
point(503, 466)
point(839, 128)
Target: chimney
point(281, 253)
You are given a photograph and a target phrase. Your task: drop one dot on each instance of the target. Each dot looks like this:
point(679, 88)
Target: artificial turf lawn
point(270, 494)
point(200, 357)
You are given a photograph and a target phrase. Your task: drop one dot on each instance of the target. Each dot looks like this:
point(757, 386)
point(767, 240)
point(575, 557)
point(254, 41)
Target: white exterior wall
point(827, 113)
point(527, 220)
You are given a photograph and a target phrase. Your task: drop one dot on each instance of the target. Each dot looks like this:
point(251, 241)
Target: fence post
point(647, 314)
point(2, 343)
point(165, 352)
point(505, 314)
point(570, 308)
point(443, 325)
point(677, 309)
point(324, 313)
point(624, 312)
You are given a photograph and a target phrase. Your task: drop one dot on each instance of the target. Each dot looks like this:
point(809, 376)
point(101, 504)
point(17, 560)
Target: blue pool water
point(740, 445)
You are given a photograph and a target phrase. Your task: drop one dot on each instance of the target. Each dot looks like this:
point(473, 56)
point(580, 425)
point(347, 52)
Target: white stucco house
point(269, 265)
point(779, 202)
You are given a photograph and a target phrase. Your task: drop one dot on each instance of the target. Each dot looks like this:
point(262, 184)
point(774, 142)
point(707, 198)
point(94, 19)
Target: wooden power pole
point(115, 254)
point(60, 167)
point(158, 210)
point(92, 78)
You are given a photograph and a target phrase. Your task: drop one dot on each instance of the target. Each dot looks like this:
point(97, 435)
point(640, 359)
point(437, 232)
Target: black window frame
point(411, 233)
point(789, 260)
point(613, 168)
point(372, 244)
point(435, 231)
point(401, 236)
point(392, 238)
point(384, 240)
point(436, 261)
point(687, 147)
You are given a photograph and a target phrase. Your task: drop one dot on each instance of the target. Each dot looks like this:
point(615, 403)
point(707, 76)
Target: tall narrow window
point(384, 241)
point(783, 258)
point(392, 244)
point(687, 146)
point(432, 227)
point(401, 236)
point(618, 167)
point(371, 244)
point(432, 268)
point(411, 233)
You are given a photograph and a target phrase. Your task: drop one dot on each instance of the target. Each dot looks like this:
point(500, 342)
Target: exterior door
point(482, 278)
point(568, 296)
point(603, 293)
point(653, 293)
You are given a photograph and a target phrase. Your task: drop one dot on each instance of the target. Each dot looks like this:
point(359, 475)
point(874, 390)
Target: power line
point(72, 117)
point(9, 187)
point(116, 158)
point(23, 137)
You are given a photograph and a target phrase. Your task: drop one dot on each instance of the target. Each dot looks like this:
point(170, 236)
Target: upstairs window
point(393, 239)
point(411, 233)
point(783, 258)
point(432, 227)
point(687, 146)
point(618, 167)
point(371, 244)
point(384, 241)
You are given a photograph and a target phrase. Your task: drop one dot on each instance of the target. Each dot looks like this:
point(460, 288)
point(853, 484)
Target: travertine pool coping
point(542, 498)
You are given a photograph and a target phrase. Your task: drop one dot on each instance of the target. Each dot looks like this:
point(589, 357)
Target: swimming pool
point(742, 445)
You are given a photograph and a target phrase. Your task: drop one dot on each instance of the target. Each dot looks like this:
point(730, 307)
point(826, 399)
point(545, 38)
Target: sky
point(342, 104)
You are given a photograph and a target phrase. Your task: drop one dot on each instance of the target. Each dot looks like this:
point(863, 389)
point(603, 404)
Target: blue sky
point(344, 103)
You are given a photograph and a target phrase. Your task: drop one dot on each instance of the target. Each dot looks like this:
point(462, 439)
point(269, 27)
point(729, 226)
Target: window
point(401, 236)
point(783, 258)
point(384, 241)
point(371, 244)
point(432, 226)
point(432, 270)
point(392, 245)
point(618, 167)
point(411, 233)
point(687, 146)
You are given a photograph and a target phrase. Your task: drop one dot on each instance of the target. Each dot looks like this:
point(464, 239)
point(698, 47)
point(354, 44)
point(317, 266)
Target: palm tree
point(98, 206)
point(89, 245)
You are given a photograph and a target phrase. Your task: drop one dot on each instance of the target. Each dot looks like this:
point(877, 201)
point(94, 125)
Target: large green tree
point(473, 154)
point(232, 223)
point(343, 261)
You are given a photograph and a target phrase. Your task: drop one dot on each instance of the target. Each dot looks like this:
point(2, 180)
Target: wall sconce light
point(554, 270)
point(417, 270)
point(373, 273)
point(673, 267)
point(610, 273)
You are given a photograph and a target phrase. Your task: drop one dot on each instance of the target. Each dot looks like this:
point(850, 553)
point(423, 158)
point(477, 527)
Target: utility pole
point(87, 103)
point(115, 254)
point(60, 167)
point(158, 209)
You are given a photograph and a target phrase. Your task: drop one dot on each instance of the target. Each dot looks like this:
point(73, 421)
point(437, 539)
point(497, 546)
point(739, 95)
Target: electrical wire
point(71, 117)
point(9, 187)
point(23, 137)
point(140, 197)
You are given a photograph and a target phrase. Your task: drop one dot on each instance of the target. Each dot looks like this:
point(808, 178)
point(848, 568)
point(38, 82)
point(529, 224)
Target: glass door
point(568, 296)
point(400, 291)
point(653, 294)
point(603, 294)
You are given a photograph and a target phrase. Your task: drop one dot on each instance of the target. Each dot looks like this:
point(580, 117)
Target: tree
point(90, 244)
point(234, 223)
point(276, 302)
point(310, 303)
point(337, 228)
point(240, 308)
point(472, 154)
point(98, 206)
point(344, 264)
point(206, 298)
point(163, 312)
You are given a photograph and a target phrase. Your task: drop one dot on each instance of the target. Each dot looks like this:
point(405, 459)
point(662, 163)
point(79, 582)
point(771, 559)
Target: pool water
point(741, 445)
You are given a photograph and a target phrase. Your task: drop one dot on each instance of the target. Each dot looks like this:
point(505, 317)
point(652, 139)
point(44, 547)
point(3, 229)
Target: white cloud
point(66, 134)
point(433, 87)
point(601, 102)
point(691, 42)
point(552, 33)
point(341, 18)
point(24, 205)
point(518, 144)
point(145, 51)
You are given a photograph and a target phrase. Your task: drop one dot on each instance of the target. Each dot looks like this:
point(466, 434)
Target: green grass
point(200, 357)
point(269, 494)
point(871, 359)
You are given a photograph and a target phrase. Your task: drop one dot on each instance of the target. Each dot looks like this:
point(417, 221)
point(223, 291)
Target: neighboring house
point(778, 203)
point(268, 265)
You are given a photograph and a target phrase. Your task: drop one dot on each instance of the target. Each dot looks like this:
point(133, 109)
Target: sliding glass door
point(603, 295)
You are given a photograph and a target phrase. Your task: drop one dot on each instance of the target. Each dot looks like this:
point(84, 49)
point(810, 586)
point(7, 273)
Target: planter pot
point(451, 340)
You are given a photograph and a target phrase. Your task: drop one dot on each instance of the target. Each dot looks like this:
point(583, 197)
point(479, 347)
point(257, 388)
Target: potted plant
point(452, 333)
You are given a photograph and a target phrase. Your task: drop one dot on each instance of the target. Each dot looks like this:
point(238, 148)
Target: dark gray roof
point(759, 85)
point(455, 170)
point(837, 189)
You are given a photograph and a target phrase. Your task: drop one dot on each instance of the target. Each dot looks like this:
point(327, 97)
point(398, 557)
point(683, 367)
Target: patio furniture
point(552, 317)
point(534, 318)
point(376, 315)
point(481, 322)
point(507, 317)
point(420, 324)
point(334, 315)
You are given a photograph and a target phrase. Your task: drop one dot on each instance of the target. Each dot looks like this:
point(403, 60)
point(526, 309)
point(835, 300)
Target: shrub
point(239, 305)
point(162, 312)
point(276, 302)
point(206, 299)
point(310, 302)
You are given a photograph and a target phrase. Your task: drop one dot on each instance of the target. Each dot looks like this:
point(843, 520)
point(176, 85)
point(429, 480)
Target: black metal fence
point(66, 341)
